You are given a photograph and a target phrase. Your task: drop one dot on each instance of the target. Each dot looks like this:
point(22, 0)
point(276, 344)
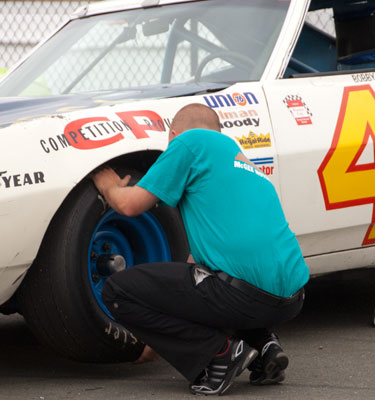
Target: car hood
point(13, 109)
point(19, 109)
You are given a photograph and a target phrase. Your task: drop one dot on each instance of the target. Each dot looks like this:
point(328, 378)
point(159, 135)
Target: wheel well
point(141, 161)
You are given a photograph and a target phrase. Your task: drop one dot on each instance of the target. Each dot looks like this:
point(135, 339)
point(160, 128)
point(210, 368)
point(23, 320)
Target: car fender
point(49, 155)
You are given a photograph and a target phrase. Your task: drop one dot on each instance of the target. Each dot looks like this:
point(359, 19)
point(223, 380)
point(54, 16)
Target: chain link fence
point(322, 19)
point(24, 23)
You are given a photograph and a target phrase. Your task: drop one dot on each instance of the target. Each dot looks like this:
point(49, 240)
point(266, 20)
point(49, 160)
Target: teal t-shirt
point(232, 214)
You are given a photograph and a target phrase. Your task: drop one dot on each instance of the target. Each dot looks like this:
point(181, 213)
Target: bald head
point(194, 116)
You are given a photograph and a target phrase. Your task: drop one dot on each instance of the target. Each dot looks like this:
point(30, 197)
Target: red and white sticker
point(99, 131)
point(298, 109)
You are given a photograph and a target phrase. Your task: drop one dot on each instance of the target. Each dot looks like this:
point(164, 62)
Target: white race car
point(103, 90)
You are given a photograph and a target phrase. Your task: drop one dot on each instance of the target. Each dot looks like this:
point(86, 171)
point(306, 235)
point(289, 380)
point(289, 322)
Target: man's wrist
point(108, 192)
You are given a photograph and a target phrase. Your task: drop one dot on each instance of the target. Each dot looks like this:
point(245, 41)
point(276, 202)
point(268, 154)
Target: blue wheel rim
point(138, 240)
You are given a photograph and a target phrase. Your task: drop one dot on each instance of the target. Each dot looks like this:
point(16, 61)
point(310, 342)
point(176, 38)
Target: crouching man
point(213, 318)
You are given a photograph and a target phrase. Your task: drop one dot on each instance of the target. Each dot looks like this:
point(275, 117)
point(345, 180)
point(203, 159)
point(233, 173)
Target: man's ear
point(172, 134)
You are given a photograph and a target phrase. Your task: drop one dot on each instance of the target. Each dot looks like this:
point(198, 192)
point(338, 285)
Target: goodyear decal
point(9, 181)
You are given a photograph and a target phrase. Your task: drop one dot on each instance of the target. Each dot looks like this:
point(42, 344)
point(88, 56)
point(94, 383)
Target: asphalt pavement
point(331, 346)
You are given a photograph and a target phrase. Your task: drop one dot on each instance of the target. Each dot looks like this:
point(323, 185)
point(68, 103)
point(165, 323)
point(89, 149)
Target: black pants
point(187, 324)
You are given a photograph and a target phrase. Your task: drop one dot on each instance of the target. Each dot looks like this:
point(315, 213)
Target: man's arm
point(124, 199)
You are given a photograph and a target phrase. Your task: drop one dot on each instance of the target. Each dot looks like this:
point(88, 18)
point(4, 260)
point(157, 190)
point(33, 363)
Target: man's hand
point(147, 355)
point(124, 199)
point(107, 178)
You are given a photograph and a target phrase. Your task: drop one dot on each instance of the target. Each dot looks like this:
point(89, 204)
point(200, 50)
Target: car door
point(323, 129)
point(324, 124)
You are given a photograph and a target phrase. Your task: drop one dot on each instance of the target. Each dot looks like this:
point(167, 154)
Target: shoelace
point(205, 376)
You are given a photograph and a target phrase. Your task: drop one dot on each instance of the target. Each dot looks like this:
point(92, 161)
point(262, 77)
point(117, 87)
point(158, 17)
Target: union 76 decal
point(345, 181)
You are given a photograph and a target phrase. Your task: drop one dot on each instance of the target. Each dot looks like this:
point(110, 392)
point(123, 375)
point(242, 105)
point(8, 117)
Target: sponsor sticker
point(238, 114)
point(231, 100)
point(254, 141)
point(237, 123)
point(96, 132)
point(264, 164)
point(231, 119)
point(298, 109)
point(8, 180)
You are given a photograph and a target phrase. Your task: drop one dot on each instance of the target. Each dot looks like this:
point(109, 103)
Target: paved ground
point(331, 346)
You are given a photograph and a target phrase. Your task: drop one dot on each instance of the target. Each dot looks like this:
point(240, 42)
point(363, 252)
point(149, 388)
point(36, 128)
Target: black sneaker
point(224, 368)
point(269, 367)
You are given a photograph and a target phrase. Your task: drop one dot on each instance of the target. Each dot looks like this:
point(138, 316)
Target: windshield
point(215, 41)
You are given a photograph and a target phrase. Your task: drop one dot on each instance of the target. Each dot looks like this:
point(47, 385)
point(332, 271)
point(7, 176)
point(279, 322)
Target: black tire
point(56, 297)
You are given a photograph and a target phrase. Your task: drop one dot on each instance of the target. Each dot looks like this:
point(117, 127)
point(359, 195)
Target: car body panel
point(304, 140)
point(83, 139)
point(294, 130)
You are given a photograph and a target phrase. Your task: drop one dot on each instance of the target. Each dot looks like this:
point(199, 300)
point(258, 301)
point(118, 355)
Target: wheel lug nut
point(106, 247)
